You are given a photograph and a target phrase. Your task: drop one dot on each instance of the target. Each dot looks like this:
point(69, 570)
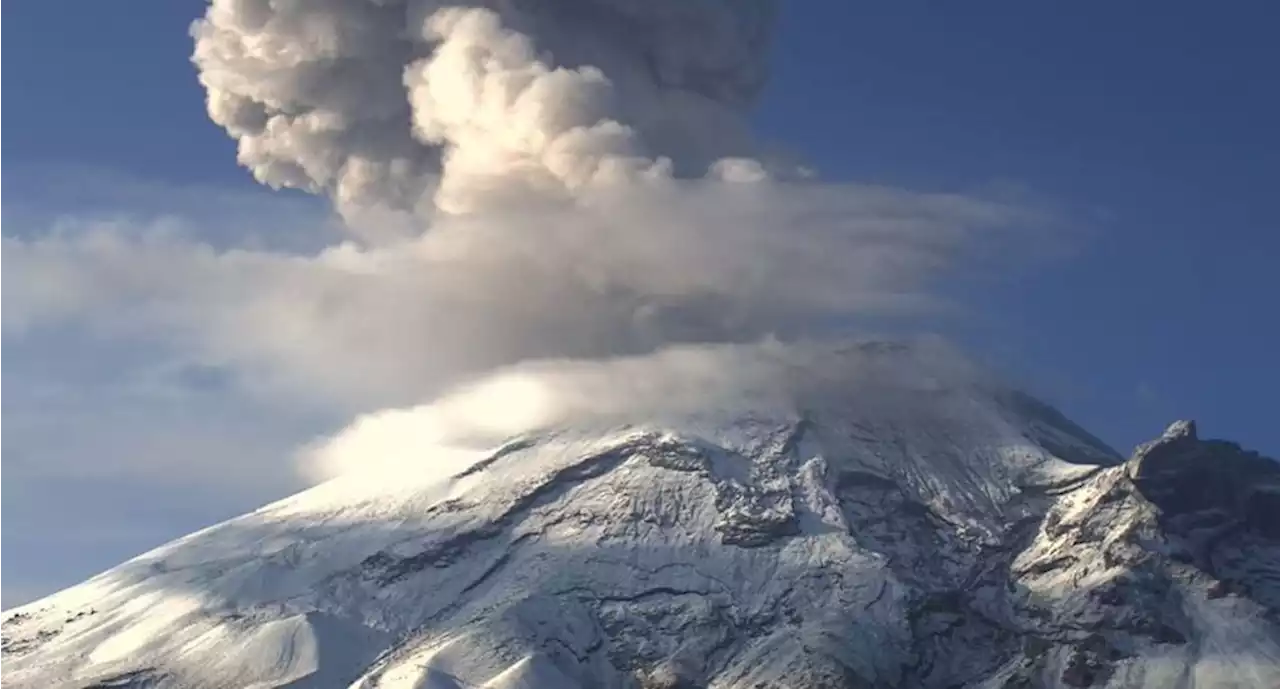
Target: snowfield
point(844, 534)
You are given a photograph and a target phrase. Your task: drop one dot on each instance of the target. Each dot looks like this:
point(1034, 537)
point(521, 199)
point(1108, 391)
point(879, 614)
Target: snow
point(925, 537)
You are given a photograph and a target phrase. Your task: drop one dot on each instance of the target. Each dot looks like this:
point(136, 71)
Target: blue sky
point(1152, 125)
point(1157, 121)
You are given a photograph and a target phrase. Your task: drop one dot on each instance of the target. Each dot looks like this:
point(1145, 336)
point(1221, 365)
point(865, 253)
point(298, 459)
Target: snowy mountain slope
point(940, 532)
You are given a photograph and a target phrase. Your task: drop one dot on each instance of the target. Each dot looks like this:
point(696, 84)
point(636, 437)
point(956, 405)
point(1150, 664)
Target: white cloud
point(148, 360)
point(519, 185)
point(61, 197)
point(115, 439)
point(669, 388)
point(615, 273)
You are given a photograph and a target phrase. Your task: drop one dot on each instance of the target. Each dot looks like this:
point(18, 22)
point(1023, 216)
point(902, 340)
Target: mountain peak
point(853, 524)
point(1180, 429)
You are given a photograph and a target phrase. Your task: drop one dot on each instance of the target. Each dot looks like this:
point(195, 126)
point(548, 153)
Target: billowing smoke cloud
point(369, 99)
point(551, 212)
point(577, 177)
point(561, 179)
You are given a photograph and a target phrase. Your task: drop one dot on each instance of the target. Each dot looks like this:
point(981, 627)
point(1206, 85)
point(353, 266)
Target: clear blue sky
point(1156, 124)
point(1161, 119)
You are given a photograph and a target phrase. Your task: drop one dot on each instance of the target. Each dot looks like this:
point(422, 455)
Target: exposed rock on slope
point(942, 537)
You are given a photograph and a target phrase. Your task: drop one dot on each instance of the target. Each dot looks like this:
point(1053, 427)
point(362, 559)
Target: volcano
point(914, 532)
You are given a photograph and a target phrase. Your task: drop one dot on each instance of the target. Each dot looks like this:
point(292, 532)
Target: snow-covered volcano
point(864, 516)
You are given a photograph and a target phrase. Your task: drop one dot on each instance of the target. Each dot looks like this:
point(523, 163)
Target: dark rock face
point(1219, 507)
point(1090, 663)
point(1184, 475)
point(138, 679)
point(1123, 563)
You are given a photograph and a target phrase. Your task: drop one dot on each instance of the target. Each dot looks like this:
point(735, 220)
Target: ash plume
point(381, 102)
point(519, 181)
point(567, 178)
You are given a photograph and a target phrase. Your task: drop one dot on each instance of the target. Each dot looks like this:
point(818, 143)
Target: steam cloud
point(666, 389)
point(561, 179)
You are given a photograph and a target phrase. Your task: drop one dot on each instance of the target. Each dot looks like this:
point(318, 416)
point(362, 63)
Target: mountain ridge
point(934, 539)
